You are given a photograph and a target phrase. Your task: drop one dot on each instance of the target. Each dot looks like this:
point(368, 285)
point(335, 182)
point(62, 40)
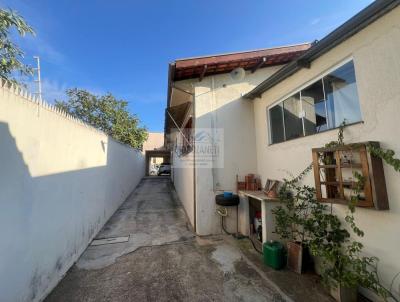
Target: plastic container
point(273, 254)
point(228, 194)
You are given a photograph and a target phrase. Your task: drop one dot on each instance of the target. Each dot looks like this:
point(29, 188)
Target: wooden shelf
point(362, 203)
point(351, 166)
point(327, 166)
point(328, 162)
point(330, 183)
point(344, 166)
point(334, 183)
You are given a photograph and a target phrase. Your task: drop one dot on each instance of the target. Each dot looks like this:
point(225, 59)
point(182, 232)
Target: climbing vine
point(386, 155)
point(303, 218)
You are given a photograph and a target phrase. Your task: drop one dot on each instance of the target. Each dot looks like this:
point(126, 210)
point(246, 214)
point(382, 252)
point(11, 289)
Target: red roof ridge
point(245, 51)
point(198, 67)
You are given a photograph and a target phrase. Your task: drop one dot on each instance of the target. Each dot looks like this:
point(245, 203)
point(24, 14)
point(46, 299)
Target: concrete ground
point(162, 260)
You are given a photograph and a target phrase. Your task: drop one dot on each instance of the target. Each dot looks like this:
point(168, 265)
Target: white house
point(204, 94)
point(288, 103)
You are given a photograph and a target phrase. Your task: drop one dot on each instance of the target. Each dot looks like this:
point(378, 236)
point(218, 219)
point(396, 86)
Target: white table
point(267, 218)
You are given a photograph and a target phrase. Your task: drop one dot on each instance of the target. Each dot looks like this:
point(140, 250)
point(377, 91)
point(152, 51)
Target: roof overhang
point(175, 116)
point(361, 20)
point(200, 67)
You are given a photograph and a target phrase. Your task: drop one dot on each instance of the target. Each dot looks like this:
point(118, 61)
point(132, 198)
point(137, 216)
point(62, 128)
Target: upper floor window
point(187, 138)
point(323, 105)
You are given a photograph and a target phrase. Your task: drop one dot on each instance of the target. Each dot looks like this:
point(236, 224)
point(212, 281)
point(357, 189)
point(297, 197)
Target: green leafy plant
point(343, 264)
point(342, 256)
point(340, 139)
point(10, 54)
point(386, 155)
point(105, 113)
point(329, 159)
point(303, 218)
point(292, 216)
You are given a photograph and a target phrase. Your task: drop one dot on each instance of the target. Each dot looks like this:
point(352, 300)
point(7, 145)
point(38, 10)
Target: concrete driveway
point(158, 258)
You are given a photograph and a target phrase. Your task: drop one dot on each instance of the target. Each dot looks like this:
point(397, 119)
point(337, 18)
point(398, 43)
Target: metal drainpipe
point(194, 164)
point(213, 125)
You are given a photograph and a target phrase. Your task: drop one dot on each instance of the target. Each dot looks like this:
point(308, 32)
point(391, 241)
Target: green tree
point(105, 113)
point(10, 54)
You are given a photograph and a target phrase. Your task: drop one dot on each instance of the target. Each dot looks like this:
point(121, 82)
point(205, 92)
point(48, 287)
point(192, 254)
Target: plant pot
point(344, 294)
point(318, 265)
point(299, 259)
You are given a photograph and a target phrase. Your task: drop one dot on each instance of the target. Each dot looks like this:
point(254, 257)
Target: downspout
point(213, 125)
point(194, 165)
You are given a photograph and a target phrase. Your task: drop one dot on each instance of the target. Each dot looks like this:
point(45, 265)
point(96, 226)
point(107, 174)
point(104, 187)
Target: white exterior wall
point(218, 104)
point(375, 51)
point(60, 181)
point(183, 179)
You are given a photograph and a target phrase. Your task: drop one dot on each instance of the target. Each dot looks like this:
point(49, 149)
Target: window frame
point(319, 77)
point(186, 133)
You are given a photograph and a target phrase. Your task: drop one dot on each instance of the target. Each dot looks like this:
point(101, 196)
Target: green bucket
point(273, 254)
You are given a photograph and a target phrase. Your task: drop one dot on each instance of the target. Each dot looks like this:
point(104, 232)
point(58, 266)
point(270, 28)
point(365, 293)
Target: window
point(292, 117)
point(342, 96)
point(314, 107)
point(276, 123)
point(187, 138)
point(321, 106)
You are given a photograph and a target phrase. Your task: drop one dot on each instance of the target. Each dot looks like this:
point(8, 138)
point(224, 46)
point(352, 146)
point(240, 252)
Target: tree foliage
point(105, 113)
point(10, 54)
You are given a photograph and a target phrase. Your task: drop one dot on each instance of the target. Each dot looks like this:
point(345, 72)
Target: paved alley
point(158, 258)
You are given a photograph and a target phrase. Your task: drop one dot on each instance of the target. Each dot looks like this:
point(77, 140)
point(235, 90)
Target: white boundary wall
point(60, 181)
point(184, 185)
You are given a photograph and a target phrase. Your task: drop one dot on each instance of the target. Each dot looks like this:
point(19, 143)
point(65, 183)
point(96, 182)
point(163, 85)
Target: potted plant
point(292, 221)
point(306, 223)
point(344, 269)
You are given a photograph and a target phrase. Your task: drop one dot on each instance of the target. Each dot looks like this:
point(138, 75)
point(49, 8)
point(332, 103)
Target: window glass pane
point(342, 97)
point(292, 113)
point(314, 108)
point(276, 124)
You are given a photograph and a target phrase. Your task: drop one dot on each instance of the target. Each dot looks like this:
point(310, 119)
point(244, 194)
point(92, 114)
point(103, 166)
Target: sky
point(124, 47)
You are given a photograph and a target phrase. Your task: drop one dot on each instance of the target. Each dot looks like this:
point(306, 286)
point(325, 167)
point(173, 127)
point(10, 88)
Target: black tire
point(227, 201)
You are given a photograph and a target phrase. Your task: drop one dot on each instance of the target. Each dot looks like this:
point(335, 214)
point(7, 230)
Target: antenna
point(38, 80)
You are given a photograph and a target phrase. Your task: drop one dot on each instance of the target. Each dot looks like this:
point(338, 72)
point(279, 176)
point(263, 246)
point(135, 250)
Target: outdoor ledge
point(259, 195)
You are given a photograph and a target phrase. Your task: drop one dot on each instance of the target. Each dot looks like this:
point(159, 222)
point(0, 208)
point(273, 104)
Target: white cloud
point(54, 90)
point(315, 21)
point(51, 89)
point(38, 46)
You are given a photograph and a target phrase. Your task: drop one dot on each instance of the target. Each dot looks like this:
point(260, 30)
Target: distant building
point(155, 141)
point(155, 152)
